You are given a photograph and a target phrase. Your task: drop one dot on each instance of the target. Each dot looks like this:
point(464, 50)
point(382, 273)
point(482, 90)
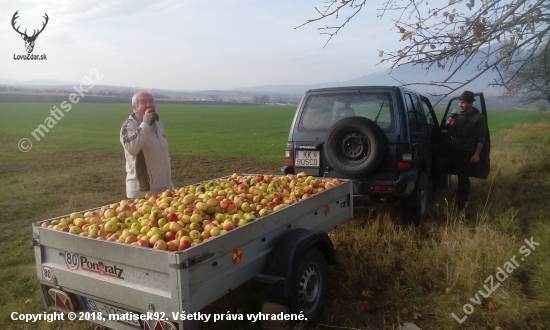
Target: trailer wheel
point(414, 207)
point(309, 286)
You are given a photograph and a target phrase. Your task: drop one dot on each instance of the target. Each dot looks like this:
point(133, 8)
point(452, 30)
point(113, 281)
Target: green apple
point(194, 234)
point(129, 221)
point(136, 225)
point(111, 226)
point(174, 226)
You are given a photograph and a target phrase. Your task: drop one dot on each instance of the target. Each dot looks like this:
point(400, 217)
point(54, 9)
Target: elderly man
point(470, 133)
point(145, 149)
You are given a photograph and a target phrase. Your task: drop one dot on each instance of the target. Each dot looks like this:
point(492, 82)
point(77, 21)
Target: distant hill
point(406, 74)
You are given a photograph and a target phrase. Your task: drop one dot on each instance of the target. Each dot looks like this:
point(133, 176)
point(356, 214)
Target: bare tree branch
point(495, 33)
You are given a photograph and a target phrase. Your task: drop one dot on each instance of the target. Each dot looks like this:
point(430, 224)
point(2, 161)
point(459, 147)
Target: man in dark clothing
point(469, 134)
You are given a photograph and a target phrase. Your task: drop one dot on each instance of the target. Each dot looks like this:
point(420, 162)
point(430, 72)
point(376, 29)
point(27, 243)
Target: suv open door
point(481, 169)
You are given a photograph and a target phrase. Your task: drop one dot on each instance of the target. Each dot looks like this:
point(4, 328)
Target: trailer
point(122, 286)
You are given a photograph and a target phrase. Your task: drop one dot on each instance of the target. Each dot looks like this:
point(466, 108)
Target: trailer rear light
point(62, 300)
point(404, 165)
point(159, 325)
point(382, 188)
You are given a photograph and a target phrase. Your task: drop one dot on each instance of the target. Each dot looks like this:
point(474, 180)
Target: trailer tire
point(309, 286)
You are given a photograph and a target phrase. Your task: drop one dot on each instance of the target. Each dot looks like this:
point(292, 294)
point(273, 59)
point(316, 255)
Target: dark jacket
point(470, 129)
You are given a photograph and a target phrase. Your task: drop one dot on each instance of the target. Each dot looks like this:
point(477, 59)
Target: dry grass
point(387, 273)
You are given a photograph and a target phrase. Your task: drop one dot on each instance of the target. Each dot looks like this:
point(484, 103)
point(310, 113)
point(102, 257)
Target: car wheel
point(355, 146)
point(414, 207)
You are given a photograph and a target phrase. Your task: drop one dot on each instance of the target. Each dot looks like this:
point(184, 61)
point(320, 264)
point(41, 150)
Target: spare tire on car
point(355, 146)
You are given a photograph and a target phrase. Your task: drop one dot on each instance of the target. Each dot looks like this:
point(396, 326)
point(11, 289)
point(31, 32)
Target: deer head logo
point(29, 40)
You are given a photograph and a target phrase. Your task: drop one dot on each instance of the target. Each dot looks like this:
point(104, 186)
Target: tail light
point(380, 188)
point(405, 163)
point(289, 154)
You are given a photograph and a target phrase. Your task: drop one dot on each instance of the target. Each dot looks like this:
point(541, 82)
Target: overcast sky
point(190, 44)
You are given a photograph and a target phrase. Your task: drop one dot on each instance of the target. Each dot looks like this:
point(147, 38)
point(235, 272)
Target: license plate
point(307, 158)
point(106, 310)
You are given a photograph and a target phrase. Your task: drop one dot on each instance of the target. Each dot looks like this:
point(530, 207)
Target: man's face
point(465, 106)
point(143, 103)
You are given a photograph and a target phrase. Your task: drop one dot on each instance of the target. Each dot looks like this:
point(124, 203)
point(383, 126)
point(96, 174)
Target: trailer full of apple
point(178, 219)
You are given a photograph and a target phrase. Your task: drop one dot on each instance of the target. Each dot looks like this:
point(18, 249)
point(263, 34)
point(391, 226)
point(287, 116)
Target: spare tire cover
point(355, 146)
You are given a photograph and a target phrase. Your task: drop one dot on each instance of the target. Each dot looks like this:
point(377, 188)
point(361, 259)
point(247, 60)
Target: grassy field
point(388, 273)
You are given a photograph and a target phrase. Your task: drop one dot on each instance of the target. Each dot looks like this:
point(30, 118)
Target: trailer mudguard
point(286, 255)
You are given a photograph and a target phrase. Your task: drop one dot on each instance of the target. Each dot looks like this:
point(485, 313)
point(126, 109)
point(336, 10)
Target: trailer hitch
point(192, 261)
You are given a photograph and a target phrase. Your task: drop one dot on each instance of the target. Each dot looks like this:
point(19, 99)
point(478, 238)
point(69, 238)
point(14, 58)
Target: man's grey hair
point(138, 94)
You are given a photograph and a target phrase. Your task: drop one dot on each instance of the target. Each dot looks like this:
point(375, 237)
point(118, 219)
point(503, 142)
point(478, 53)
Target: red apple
point(172, 245)
point(184, 244)
point(228, 225)
point(182, 232)
point(143, 243)
point(170, 235)
point(172, 217)
point(160, 245)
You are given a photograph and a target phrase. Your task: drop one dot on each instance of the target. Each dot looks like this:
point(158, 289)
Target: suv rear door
point(481, 169)
point(418, 128)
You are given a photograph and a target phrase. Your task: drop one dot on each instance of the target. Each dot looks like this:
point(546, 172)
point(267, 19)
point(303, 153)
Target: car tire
point(309, 286)
point(355, 146)
point(414, 207)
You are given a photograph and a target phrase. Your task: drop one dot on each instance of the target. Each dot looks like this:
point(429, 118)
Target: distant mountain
point(406, 74)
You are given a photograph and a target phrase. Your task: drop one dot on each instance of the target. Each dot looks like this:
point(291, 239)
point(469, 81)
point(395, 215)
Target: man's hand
point(475, 157)
point(150, 117)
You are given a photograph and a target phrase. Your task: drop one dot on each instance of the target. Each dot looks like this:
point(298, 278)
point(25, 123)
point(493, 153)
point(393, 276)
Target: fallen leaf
point(367, 293)
point(405, 312)
point(416, 315)
point(491, 305)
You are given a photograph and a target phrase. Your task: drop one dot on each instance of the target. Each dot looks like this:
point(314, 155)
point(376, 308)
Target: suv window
point(322, 111)
point(417, 118)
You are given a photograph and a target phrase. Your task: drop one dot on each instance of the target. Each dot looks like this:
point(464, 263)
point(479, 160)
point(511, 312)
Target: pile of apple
point(178, 219)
